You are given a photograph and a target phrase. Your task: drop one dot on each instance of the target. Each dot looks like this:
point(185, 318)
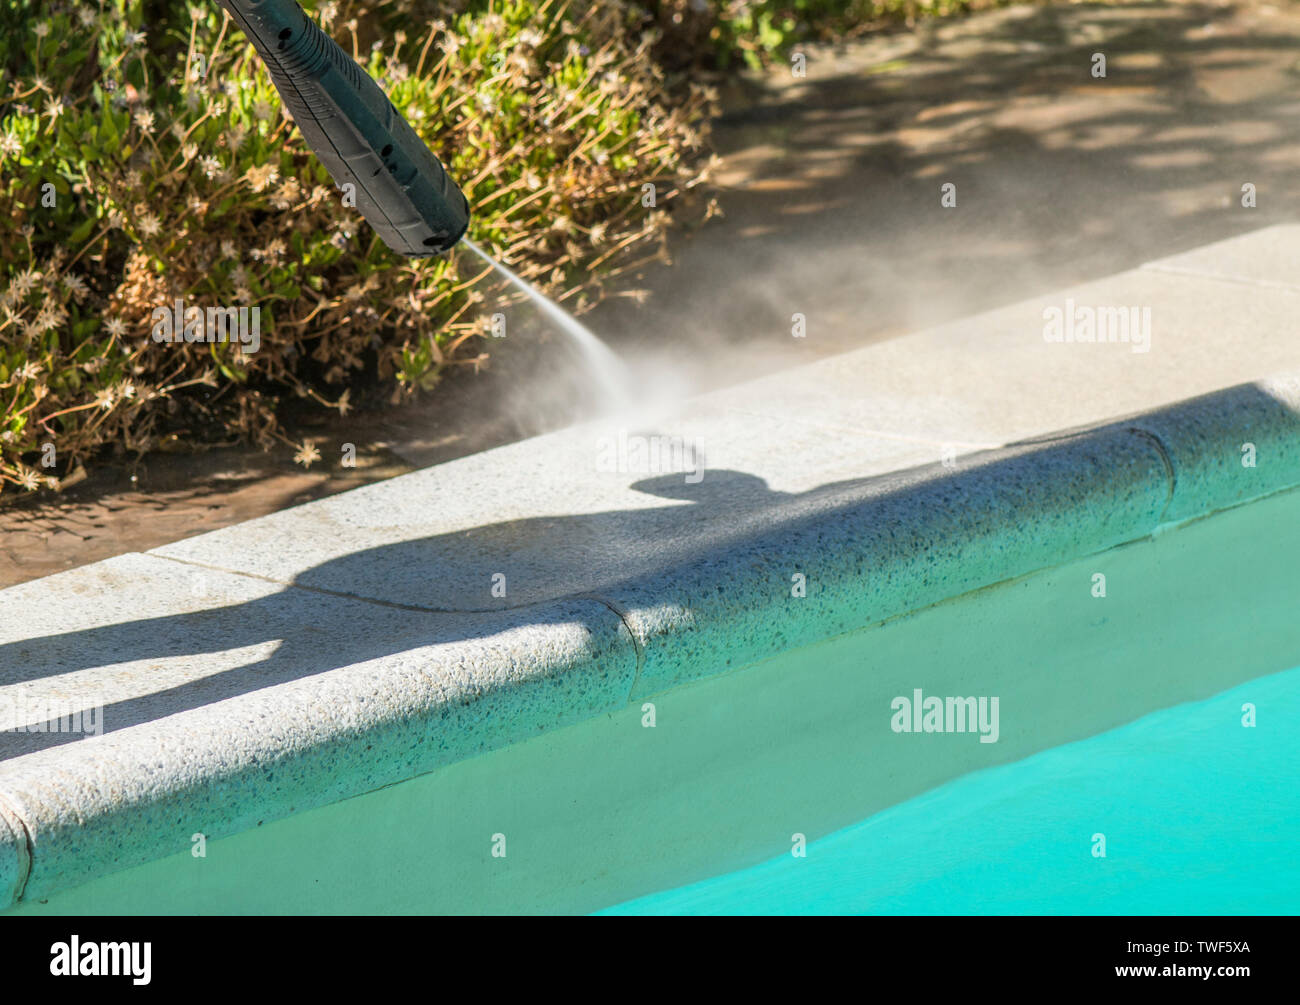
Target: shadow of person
point(396, 597)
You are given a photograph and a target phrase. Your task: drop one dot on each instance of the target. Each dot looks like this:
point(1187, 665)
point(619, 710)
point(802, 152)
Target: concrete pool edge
point(996, 516)
point(96, 805)
point(102, 804)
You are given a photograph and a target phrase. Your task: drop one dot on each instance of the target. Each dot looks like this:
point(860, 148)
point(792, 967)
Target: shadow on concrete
point(727, 515)
point(306, 648)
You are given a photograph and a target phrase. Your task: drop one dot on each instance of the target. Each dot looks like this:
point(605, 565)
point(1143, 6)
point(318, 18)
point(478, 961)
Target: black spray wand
point(401, 188)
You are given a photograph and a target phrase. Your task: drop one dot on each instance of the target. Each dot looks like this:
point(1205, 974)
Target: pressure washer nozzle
point(400, 187)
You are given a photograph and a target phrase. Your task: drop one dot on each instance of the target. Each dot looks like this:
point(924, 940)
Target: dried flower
point(307, 455)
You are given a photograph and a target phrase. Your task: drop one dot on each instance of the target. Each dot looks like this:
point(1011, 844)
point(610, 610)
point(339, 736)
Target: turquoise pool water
point(1200, 815)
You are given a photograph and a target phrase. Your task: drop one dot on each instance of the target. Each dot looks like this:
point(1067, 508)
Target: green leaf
point(109, 137)
point(82, 232)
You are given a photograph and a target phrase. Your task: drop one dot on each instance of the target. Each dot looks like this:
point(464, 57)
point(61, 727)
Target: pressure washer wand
point(363, 141)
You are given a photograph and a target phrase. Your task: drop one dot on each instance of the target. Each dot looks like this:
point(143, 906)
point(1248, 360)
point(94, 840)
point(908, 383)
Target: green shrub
point(175, 174)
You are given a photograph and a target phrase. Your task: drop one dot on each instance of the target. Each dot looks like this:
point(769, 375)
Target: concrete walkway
point(830, 183)
point(352, 642)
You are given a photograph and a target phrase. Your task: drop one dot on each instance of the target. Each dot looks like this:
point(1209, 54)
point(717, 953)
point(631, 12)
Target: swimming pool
point(1197, 809)
point(709, 782)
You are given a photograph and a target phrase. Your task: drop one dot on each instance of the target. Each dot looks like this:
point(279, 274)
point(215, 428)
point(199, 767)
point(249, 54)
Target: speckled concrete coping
point(351, 643)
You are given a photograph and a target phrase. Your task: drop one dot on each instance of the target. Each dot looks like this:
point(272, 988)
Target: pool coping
point(71, 813)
